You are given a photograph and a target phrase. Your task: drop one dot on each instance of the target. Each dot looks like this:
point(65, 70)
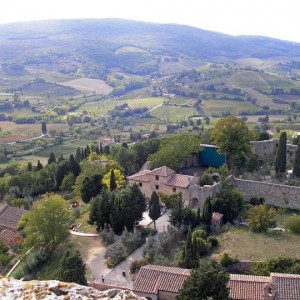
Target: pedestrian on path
point(124, 273)
point(102, 278)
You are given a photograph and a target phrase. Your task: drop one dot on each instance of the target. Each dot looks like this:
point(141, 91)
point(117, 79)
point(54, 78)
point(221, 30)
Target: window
point(174, 190)
point(140, 184)
point(157, 187)
point(156, 177)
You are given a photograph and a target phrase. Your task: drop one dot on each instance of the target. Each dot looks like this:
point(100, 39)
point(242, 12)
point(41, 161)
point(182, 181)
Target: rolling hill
point(95, 47)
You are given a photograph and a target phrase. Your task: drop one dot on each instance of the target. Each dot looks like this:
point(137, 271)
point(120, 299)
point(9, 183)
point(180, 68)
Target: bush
point(213, 242)
point(131, 241)
point(137, 264)
point(206, 179)
point(227, 260)
point(147, 231)
point(115, 254)
point(152, 250)
point(107, 235)
point(293, 224)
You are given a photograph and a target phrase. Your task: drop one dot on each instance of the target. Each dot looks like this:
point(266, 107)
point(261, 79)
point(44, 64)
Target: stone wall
point(274, 194)
point(266, 151)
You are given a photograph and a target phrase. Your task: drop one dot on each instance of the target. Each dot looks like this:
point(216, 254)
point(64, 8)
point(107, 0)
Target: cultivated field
point(218, 106)
point(89, 85)
point(173, 113)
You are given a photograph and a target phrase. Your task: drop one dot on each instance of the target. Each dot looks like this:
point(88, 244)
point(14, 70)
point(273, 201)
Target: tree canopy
point(154, 208)
point(261, 217)
point(208, 281)
point(280, 160)
point(233, 137)
point(48, 222)
point(72, 268)
point(175, 150)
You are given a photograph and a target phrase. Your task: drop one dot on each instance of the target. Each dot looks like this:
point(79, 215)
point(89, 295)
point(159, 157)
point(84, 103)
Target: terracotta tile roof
point(248, 287)
point(179, 180)
point(140, 176)
point(10, 216)
point(152, 279)
point(288, 286)
point(8, 237)
point(162, 171)
point(216, 216)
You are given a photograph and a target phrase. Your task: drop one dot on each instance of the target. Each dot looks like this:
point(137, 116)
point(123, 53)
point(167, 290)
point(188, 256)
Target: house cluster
point(164, 283)
point(9, 218)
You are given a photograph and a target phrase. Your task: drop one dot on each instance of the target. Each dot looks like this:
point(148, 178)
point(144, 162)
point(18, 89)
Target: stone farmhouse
point(163, 180)
point(164, 283)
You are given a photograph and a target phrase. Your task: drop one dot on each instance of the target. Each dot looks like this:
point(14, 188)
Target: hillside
point(95, 47)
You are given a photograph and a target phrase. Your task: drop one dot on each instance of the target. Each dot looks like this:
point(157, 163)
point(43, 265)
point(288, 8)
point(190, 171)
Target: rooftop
point(10, 216)
point(179, 180)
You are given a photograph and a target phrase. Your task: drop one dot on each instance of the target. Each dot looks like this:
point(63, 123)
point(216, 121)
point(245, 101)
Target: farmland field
point(103, 107)
point(218, 106)
point(173, 113)
point(249, 79)
point(89, 85)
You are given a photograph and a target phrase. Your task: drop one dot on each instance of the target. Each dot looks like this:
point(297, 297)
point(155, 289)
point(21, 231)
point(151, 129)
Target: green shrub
point(293, 224)
point(206, 179)
point(227, 260)
point(213, 241)
point(115, 254)
point(137, 264)
point(107, 235)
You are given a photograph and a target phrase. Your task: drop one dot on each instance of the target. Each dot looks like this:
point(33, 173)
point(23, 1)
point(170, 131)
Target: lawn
point(218, 106)
point(246, 245)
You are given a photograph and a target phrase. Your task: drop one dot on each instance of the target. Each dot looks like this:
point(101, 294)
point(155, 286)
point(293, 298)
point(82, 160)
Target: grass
point(219, 106)
point(247, 245)
point(85, 227)
point(173, 113)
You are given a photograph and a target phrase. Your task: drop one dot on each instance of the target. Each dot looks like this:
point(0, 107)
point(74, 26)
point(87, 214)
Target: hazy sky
point(274, 18)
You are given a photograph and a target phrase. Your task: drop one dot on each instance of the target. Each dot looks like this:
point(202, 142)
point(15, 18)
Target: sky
point(273, 18)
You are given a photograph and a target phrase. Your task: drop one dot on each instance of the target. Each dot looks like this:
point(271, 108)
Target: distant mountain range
point(98, 46)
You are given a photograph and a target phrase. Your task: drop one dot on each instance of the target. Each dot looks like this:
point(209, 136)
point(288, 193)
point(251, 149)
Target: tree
point(74, 166)
point(296, 165)
point(154, 208)
point(207, 212)
point(280, 160)
point(51, 158)
point(91, 187)
point(44, 128)
point(261, 217)
point(39, 166)
point(175, 150)
point(72, 268)
point(229, 202)
point(133, 205)
point(177, 212)
point(48, 222)
point(78, 155)
point(113, 179)
point(233, 137)
point(68, 182)
point(209, 281)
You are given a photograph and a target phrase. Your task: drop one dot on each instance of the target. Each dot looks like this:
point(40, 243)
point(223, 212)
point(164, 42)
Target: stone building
point(163, 180)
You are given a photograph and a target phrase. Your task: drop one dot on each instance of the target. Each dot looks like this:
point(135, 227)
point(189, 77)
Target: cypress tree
point(72, 268)
point(112, 181)
point(44, 128)
point(39, 166)
point(207, 212)
point(29, 166)
point(117, 217)
point(78, 155)
point(296, 165)
point(74, 166)
point(280, 160)
point(52, 158)
point(154, 208)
